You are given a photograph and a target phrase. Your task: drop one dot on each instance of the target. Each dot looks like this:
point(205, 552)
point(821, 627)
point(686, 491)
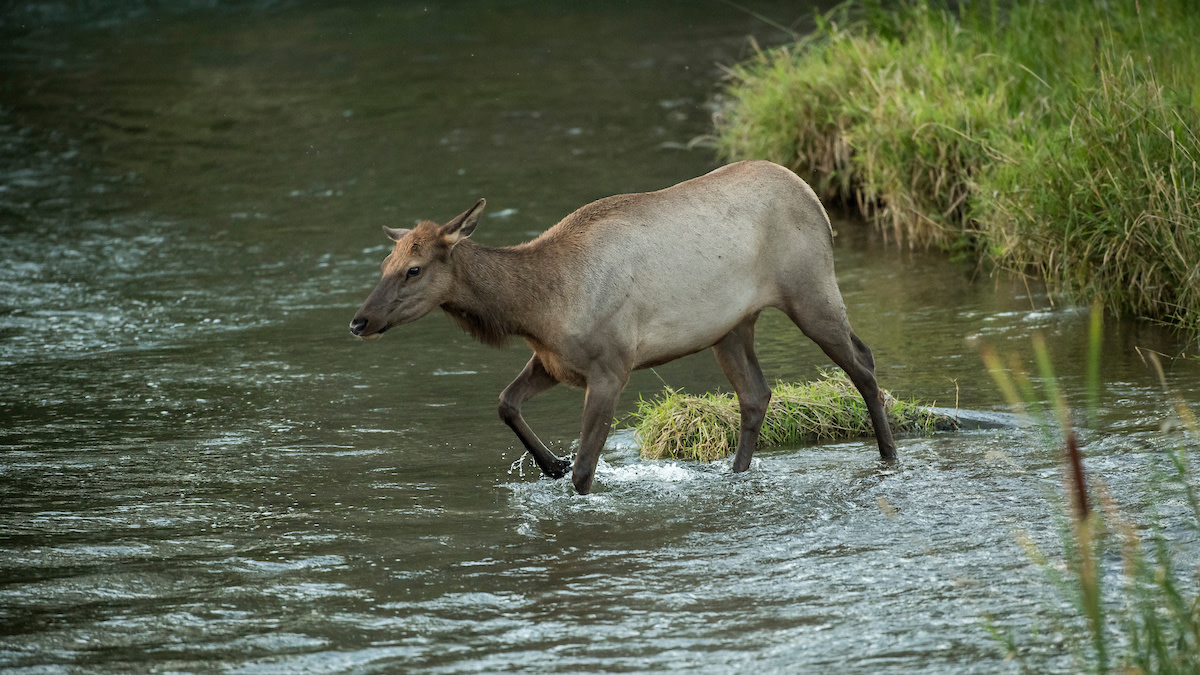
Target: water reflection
point(201, 471)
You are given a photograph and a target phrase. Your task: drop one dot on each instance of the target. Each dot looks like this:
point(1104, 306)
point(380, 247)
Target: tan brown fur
point(632, 281)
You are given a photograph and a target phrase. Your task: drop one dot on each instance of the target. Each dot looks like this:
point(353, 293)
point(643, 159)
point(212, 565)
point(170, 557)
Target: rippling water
point(201, 470)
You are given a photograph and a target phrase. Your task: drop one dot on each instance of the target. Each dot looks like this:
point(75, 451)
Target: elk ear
point(463, 224)
point(395, 233)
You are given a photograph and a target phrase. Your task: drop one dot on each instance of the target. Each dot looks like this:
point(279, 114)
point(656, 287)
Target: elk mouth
point(376, 335)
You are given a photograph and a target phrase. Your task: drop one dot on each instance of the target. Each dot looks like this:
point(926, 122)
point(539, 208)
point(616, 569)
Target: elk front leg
point(532, 381)
point(735, 354)
point(600, 403)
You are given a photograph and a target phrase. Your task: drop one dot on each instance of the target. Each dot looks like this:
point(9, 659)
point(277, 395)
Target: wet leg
point(600, 403)
point(532, 381)
point(735, 354)
point(831, 331)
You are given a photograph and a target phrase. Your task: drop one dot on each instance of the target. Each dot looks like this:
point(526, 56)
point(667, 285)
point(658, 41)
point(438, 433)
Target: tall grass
point(1113, 211)
point(1052, 137)
point(1146, 617)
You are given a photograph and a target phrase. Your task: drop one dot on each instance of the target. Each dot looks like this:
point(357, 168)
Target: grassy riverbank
point(1059, 139)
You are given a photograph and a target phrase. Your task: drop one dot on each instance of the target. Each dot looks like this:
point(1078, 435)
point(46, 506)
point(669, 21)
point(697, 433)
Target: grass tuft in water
point(1146, 618)
point(705, 427)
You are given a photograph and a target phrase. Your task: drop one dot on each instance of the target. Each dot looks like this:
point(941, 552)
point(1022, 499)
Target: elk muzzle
point(358, 328)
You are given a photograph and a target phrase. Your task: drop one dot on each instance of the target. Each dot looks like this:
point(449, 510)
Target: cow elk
point(633, 281)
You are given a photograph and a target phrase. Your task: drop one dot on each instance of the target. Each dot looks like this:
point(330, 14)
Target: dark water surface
point(201, 471)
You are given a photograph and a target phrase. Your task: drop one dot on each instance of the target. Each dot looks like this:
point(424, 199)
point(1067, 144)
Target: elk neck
point(500, 292)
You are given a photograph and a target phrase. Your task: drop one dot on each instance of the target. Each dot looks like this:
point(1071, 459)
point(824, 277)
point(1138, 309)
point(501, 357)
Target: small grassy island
point(705, 427)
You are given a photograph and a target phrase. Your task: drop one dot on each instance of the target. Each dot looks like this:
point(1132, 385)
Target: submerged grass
point(705, 427)
point(1146, 618)
point(1059, 138)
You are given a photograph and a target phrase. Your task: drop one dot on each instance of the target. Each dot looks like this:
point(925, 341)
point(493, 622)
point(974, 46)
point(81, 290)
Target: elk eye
point(412, 272)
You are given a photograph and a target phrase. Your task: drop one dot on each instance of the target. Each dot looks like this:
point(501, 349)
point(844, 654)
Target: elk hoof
point(557, 469)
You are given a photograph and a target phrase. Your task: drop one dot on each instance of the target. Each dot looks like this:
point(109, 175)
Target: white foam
point(651, 472)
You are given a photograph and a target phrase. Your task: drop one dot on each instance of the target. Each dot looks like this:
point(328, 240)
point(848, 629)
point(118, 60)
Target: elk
point(633, 281)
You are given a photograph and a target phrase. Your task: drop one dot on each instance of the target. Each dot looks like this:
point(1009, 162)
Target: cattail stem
point(1078, 484)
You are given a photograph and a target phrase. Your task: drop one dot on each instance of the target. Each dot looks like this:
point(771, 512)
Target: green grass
point(705, 427)
point(1055, 138)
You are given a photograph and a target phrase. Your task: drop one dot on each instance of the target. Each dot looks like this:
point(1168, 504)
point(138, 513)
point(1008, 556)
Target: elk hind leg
point(826, 324)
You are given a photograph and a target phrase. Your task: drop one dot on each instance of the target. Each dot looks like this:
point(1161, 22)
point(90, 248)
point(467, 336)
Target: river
point(201, 471)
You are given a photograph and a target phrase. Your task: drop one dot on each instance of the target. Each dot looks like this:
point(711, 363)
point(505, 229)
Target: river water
point(202, 471)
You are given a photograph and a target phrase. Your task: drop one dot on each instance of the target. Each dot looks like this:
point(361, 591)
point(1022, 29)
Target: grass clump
point(1113, 211)
point(1059, 138)
point(705, 427)
point(1134, 608)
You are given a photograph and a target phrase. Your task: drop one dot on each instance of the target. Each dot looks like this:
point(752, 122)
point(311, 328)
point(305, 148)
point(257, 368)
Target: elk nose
point(357, 325)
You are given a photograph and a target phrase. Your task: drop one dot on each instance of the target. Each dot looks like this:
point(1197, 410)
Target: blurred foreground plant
point(1146, 619)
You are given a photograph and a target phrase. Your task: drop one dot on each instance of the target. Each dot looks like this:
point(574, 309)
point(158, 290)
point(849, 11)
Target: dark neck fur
point(493, 295)
point(488, 329)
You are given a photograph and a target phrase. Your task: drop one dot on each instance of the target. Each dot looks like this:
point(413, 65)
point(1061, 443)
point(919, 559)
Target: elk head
point(417, 274)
